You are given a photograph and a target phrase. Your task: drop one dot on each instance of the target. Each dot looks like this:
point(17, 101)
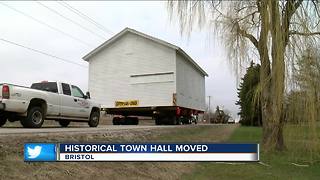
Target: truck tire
point(3, 120)
point(64, 123)
point(94, 119)
point(34, 119)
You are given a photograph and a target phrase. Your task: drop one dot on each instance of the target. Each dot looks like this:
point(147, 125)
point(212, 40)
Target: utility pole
point(209, 111)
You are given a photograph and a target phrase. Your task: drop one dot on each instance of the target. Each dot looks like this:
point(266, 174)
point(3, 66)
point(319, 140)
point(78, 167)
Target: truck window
point(76, 92)
point(46, 86)
point(66, 89)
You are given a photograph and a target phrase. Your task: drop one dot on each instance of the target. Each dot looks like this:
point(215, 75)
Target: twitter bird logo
point(34, 152)
point(40, 152)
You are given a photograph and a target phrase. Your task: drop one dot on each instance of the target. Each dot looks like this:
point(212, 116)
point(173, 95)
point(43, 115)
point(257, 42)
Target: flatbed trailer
point(164, 115)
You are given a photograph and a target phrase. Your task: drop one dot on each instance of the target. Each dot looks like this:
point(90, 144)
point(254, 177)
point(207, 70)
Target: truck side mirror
point(88, 95)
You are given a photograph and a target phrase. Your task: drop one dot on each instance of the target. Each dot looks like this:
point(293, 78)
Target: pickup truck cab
point(47, 101)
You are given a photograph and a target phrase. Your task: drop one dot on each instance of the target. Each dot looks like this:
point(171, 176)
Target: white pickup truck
point(46, 100)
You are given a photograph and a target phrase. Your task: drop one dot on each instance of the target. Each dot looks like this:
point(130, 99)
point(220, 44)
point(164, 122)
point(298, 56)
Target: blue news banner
point(141, 152)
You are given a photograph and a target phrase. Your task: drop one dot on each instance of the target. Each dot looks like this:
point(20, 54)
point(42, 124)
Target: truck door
point(68, 104)
point(82, 105)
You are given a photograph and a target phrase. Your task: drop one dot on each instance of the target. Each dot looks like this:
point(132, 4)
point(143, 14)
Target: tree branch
point(251, 14)
point(238, 10)
point(304, 33)
point(247, 35)
point(290, 8)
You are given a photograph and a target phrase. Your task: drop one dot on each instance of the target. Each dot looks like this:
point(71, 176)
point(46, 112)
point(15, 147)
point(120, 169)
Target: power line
point(43, 23)
point(56, 12)
point(43, 53)
point(84, 16)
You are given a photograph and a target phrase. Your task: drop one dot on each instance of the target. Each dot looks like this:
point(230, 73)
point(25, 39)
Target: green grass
point(199, 133)
point(245, 134)
point(274, 165)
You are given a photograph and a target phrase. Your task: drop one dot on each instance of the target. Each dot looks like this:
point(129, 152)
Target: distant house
point(133, 65)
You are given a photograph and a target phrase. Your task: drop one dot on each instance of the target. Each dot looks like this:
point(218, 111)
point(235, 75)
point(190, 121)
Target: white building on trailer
point(142, 71)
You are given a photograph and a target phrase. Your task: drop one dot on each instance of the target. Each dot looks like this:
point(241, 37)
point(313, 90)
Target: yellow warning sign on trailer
point(127, 103)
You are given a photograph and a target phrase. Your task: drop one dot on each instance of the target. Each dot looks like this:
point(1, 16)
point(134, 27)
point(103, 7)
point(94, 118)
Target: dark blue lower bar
point(159, 148)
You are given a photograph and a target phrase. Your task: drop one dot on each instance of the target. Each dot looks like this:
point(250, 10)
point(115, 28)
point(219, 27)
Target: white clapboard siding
point(190, 85)
point(114, 72)
point(135, 66)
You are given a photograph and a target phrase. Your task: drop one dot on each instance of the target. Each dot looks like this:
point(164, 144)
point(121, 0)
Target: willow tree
point(273, 31)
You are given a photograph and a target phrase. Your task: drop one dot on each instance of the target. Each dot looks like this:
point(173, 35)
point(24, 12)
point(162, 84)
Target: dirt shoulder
point(13, 167)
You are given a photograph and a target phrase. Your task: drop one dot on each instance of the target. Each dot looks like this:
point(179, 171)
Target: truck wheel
point(64, 123)
point(3, 120)
point(94, 119)
point(34, 119)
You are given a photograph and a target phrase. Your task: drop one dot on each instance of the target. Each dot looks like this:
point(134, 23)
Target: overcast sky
point(23, 67)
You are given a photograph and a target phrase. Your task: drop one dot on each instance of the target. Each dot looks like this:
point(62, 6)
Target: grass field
point(13, 167)
point(272, 165)
point(294, 163)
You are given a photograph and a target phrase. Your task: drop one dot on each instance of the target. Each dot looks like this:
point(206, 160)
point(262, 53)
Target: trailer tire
point(179, 122)
point(3, 120)
point(94, 119)
point(35, 118)
point(115, 121)
point(173, 120)
point(134, 121)
point(157, 121)
point(64, 123)
point(130, 121)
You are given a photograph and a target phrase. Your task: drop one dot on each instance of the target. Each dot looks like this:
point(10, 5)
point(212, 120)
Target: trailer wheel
point(179, 122)
point(3, 120)
point(173, 120)
point(130, 121)
point(157, 121)
point(34, 119)
point(94, 119)
point(135, 121)
point(64, 123)
point(115, 121)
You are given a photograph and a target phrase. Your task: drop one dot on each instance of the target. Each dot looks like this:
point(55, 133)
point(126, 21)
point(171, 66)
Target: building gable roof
point(127, 30)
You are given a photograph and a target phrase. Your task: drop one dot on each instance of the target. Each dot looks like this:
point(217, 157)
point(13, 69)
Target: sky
point(55, 35)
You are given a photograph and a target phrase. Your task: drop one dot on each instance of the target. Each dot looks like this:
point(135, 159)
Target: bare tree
point(274, 31)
